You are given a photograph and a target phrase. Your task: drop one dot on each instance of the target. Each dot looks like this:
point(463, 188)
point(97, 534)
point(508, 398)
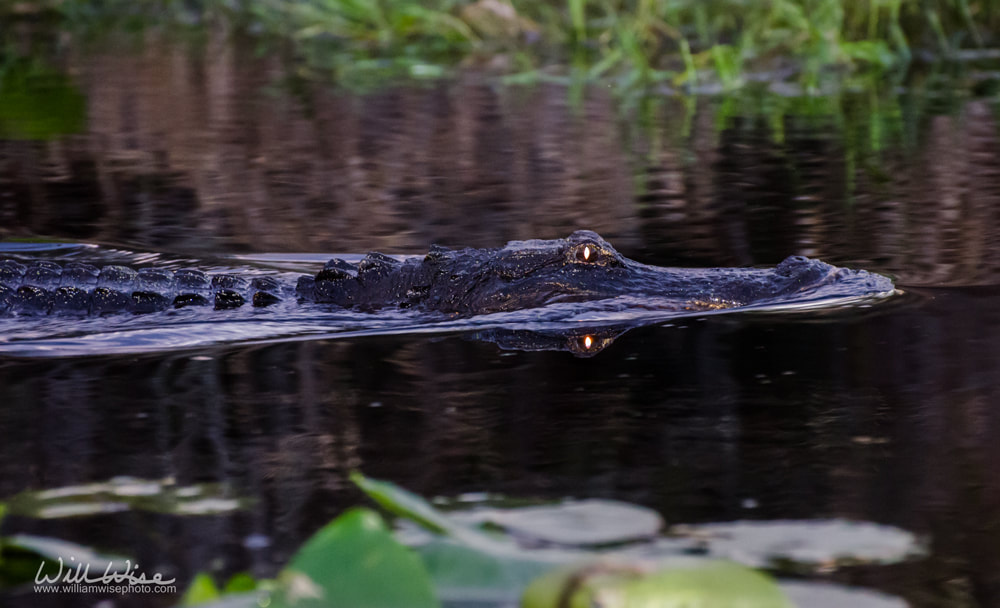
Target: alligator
point(582, 342)
point(521, 275)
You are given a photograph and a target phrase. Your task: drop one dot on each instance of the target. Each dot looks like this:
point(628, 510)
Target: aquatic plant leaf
point(579, 523)
point(240, 583)
point(698, 584)
point(406, 504)
point(238, 600)
point(804, 545)
point(25, 556)
point(413, 508)
point(123, 494)
point(54, 549)
point(38, 103)
point(202, 590)
point(810, 594)
point(354, 562)
point(462, 574)
point(241, 591)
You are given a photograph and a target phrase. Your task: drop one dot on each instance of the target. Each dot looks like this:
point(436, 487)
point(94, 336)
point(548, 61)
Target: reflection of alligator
point(582, 342)
point(522, 275)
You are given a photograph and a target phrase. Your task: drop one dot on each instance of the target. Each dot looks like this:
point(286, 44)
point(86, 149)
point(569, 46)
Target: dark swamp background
point(885, 413)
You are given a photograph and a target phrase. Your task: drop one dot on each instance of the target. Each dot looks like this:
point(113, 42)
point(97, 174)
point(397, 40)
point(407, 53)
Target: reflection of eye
point(586, 342)
point(586, 253)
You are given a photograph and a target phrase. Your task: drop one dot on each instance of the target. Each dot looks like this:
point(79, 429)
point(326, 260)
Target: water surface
point(882, 412)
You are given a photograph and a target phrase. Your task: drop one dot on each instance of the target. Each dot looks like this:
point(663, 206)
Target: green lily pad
point(804, 545)
point(564, 568)
point(202, 590)
point(463, 575)
point(698, 584)
point(124, 494)
point(592, 522)
point(414, 508)
point(26, 556)
point(241, 591)
point(813, 594)
point(354, 562)
point(406, 504)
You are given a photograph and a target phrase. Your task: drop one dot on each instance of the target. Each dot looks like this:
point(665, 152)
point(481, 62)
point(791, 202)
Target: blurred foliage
point(685, 43)
point(37, 102)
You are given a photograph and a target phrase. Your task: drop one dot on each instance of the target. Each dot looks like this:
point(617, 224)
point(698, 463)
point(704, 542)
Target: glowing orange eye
point(588, 341)
point(586, 253)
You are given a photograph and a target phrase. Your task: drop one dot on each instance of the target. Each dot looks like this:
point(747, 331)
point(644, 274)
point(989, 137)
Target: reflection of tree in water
point(885, 418)
point(889, 418)
point(192, 150)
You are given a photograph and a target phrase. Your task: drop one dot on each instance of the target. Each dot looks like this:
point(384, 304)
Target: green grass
point(687, 44)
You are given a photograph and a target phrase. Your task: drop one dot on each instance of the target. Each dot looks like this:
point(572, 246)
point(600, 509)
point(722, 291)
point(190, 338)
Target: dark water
point(884, 413)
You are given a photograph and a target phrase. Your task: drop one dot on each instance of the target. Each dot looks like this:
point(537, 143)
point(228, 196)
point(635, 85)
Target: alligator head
point(581, 267)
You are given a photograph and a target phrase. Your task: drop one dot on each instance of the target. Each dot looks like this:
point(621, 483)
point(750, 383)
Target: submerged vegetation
point(692, 44)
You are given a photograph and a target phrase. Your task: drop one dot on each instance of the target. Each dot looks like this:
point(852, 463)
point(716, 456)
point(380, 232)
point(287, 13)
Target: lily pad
point(202, 590)
point(697, 566)
point(124, 494)
point(354, 562)
point(462, 575)
point(26, 556)
point(829, 595)
point(406, 504)
point(593, 522)
point(804, 545)
point(698, 584)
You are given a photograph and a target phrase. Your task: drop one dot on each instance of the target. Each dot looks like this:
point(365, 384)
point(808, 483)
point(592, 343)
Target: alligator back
point(43, 287)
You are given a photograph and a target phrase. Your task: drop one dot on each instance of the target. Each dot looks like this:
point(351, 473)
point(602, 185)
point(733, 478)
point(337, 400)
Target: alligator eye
point(584, 343)
point(587, 253)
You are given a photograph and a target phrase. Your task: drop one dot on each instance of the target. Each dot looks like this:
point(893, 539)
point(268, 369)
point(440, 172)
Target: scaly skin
point(521, 275)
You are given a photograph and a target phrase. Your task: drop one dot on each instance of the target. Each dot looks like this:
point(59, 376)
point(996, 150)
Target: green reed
point(689, 44)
